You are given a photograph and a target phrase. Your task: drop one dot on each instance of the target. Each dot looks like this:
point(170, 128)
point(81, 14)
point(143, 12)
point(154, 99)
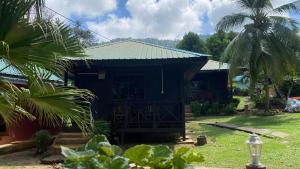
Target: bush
point(42, 141)
point(99, 153)
point(241, 92)
point(101, 127)
point(259, 100)
point(199, 108)
point(205, 108)
point(295, 91)
point(277, 103)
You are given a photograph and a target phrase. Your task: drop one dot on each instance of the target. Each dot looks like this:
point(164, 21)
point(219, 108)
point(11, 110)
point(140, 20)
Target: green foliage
point(192, 42)
point(295, 86)
point(99, 153)
point(268, 46)
point(200, 108)
point(218, 42)
point(38, 48)
point(161, 157)
point(85, 37)
point(101, 127)
point(42, 141)
point(241, 92)
point(259, 100)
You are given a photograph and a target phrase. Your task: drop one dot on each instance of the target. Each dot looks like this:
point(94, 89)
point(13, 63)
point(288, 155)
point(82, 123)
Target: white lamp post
point(255, 146)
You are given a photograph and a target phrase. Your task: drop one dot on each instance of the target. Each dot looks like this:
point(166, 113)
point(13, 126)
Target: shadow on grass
point(212, 132)
point(254, 121)
point(261, 121)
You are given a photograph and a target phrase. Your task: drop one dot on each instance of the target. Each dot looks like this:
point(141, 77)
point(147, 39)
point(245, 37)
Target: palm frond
point(237, 52)
point(290, 7)
point(245, 3)
point(11, 11)
point(42, 45)
point(38, 7)
point(54, 106)
point(231, 21)
point(285, 21)
point(255, 4)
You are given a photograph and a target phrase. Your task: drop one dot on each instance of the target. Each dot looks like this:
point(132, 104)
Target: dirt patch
point(23, 160)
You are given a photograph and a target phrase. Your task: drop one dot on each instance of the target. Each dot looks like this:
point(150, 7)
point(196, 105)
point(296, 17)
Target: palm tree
point(36, 48)
point(267, 44)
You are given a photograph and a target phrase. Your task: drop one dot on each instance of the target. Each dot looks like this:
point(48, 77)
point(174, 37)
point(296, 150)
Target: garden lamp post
point(255, 146)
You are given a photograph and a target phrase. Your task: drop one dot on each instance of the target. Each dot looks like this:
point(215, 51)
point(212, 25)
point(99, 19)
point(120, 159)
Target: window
point(128, 87)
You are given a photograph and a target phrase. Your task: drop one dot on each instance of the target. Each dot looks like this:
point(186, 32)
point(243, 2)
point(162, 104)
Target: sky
point(162, 19)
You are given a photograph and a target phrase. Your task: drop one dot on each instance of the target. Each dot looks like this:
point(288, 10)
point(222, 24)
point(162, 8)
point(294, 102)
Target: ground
point(226, 148)
point(22, 160)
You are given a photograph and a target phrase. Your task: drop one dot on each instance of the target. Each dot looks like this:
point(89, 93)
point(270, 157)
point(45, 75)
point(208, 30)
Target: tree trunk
point(267, 91)
point(290, 89)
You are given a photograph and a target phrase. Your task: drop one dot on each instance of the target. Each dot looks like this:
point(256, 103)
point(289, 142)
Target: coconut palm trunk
point(267, 91)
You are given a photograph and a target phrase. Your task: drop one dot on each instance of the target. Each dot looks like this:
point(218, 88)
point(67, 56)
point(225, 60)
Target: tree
point(267, 44)
point(192, 42)
point(85, 37)
point(38, 48)
point(218, 42)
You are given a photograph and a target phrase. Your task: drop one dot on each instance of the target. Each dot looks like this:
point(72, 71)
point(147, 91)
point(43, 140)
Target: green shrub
point(99, 153)
point(295, 90)
point(277, 103)
point(101, 127)
point(199, 109)
point(259, 100)
point(42, 141)
point(241, 92)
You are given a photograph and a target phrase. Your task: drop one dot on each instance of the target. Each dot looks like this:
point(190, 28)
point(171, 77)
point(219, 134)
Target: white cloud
point(165, 19)
point(90, 8)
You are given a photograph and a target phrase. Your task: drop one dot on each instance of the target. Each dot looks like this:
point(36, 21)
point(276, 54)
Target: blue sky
point(163, 19)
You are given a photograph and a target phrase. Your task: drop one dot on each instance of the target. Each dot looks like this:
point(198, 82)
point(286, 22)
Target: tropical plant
point(101, 127)
point(38, 48)
point(268, 41)
point(99, 153)
point(42, 141)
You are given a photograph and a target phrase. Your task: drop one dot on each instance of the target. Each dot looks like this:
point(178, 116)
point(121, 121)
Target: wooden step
point(187, 106)
point(72, 135)
point(189, 119)
point(63, 141)
point(56, 149)
point(188, 115)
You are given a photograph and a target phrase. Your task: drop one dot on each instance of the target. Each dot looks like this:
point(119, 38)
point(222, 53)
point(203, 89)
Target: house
point(139, 86)
point(210, 83)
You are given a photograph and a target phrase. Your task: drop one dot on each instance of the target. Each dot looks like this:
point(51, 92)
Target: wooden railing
point(135, 114)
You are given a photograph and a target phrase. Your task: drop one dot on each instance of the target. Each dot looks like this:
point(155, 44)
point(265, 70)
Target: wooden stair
point(188, 113)
point(71, 140)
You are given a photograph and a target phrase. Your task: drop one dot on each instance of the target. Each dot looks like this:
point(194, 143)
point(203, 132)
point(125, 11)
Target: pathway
point(262, 132)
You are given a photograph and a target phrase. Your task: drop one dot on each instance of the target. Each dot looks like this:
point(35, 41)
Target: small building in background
point(209, 84)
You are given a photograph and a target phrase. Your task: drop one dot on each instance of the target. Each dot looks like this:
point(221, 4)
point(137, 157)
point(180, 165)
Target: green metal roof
point(130, 49)
point(215, 65)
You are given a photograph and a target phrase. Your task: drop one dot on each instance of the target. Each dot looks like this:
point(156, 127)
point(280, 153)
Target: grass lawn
point(227, 148)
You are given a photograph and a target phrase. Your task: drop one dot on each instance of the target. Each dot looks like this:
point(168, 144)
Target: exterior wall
point(210, 86)
point(153, 85)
